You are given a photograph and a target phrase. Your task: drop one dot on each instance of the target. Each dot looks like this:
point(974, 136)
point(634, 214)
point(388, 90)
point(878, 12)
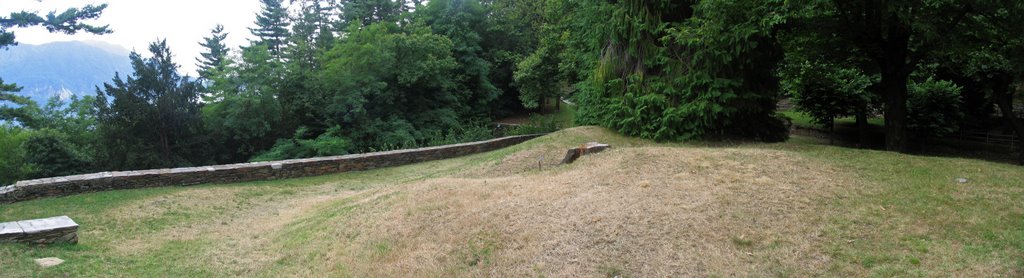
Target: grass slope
point(641, 209)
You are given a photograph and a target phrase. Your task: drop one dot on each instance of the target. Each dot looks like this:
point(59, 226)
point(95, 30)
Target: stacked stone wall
point(71, 185)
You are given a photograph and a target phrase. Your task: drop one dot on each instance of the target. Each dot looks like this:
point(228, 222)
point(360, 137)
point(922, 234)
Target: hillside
point(62, 68)
point(642, 209)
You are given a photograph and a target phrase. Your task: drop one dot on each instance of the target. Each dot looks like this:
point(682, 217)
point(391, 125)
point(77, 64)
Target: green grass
point(911, 209)
point(906, 216)
point(802, 120)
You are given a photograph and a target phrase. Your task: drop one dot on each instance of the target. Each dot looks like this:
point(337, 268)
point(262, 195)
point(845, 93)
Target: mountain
point(62, 68)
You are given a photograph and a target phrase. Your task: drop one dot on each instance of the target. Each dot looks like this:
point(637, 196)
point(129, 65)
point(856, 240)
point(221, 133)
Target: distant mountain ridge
point(62, 68)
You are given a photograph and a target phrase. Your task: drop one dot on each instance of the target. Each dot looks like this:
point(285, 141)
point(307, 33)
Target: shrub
point(49, 154)
point(12, 159)
point(933, 107)
point(327, 144)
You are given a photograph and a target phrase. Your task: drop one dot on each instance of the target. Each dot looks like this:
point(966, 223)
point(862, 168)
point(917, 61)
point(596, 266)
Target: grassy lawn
point(804, 121)
point(800, 208)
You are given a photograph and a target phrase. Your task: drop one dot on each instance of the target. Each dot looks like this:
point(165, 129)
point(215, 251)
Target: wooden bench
point(59, 229)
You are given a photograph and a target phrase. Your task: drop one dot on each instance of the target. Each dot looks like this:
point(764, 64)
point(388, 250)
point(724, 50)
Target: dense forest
point(331, 77)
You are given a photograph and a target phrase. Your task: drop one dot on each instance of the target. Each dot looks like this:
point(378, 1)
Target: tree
point(388, 86)
point(829, 91)
point(536, 78)
point(896, 36)
point(67, 22)
point(676, 70)
point(992, 54)
point(151, 118)
point(272, 27)
point(215, 53)
point(362, 13)
point(512, 31)
point(463, 22)
point(242, 116)
point(313, 33)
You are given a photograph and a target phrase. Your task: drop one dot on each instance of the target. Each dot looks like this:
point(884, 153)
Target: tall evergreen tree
point(213, 58)
point(313, 33)
point(150, 119)
point(272, 27)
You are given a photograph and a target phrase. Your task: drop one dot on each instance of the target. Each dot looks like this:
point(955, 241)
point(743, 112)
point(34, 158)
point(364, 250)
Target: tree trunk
point(895, 69)
point(1004, 99)
point(895, 87)
point(558, 104)
point(862, 126)
point(832, 131)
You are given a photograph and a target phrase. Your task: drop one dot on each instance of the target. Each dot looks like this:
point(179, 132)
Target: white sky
point(136, 23)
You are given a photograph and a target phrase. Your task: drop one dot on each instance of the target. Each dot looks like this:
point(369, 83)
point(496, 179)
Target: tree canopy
point(329, 77)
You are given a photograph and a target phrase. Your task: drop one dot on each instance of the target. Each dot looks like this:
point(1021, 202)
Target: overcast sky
point(136, 23)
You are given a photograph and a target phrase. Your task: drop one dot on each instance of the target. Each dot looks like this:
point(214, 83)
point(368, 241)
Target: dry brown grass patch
point(648, 211)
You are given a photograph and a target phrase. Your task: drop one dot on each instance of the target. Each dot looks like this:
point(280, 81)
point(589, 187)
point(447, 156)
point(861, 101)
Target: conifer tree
point(151, 119)
point(216, 52)
point(272, 27)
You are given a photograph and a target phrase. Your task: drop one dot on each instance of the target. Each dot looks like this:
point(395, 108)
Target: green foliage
point(934, 107)
point(243, 115)
point(67, 22)
point(676, 71)
point(826, 91)
point(327, 144)
point(536, 78)
point(462, 22)
point(14, 107)
point(12, 160)
point(50, 153)
point(150, 119)
point(272, 27)
point(362, 13)
point(467, 133)
point(537, 125)
point(389, 85)
point(213, 59)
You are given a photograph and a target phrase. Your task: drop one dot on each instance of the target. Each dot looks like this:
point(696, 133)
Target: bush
point(12, 159)
point(327, 144)
point(933, 107)
point(537, 124)
point(49, 154)
point(470, 133)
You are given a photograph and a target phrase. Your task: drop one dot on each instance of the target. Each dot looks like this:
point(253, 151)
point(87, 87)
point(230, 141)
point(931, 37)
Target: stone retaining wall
point(70, 185)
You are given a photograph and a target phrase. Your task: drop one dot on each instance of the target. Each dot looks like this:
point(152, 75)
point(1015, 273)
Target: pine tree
point(216, 52)
point(272, 27)
point(150, 119)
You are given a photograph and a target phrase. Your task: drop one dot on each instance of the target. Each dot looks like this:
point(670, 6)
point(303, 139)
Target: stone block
point(59, 229)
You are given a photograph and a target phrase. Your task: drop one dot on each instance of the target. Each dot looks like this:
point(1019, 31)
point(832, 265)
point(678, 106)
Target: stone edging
point(71, 185)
